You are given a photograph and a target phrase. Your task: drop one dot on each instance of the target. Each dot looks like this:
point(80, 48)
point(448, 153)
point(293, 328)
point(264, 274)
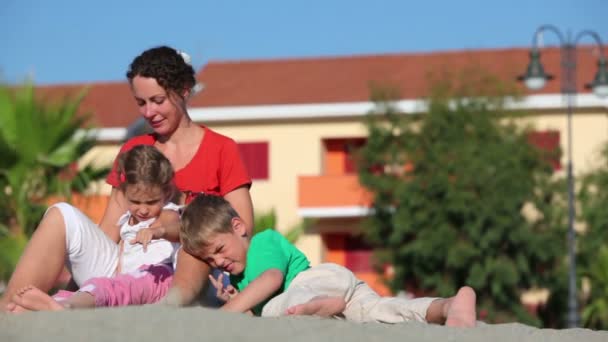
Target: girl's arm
point(167, 229)
point(116, 207)
point(167, 226)
point(260, 289)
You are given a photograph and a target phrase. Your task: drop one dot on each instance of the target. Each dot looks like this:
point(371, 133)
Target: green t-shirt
point(270, 250)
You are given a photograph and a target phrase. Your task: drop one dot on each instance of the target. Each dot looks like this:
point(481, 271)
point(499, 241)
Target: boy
point(271, 277)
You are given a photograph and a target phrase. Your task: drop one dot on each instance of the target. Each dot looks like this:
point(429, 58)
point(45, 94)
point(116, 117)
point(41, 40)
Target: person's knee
point(51, 228)
point(53, 218)
point(342, 280)
point(53, 213)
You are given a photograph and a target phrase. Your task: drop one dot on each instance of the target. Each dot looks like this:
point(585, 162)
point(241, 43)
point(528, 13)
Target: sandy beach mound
point(166, 324)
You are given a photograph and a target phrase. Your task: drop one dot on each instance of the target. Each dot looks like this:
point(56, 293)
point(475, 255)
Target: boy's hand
point(260, 289)
point(223, 293)
point(145, 235)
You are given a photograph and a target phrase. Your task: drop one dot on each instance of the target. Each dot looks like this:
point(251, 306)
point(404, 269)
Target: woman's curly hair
point(167, 66)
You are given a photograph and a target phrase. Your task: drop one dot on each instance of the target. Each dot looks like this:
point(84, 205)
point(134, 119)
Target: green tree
point(450, 188)
point(595, 311)
point(268, 220)
point(40, 144)
point(593, 243)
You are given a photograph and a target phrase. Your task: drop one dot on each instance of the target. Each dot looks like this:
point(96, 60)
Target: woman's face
point(162, 111)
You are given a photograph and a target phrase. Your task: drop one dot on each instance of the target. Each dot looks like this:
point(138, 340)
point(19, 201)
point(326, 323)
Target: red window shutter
point(347, 147)
point(358, 254)
point(255, 157)
point(548, 143)
point(350, 148)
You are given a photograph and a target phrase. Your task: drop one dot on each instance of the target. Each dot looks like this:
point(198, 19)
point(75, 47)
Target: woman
point(161, 81)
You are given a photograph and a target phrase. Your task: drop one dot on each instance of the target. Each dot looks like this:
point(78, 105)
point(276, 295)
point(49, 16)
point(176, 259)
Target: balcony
point(332, 196)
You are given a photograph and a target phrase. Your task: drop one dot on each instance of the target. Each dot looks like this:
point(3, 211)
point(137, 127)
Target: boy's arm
point(260, 289)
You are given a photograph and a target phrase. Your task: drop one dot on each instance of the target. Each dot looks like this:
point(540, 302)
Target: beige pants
point(362, 303)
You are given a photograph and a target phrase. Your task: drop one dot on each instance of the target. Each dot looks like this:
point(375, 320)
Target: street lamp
point(535, 78)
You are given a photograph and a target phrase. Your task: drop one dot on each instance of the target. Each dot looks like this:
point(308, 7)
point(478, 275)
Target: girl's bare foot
point(460, 309)
point(31, 298)
point(319, 306)
point(15, 309)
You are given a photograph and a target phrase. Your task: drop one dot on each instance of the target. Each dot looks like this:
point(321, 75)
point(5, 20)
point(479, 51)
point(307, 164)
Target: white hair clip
point(186, 57)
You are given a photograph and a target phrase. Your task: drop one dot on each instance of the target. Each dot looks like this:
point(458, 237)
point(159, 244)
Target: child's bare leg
point(457, 311)
point(42, 260)
point(79, 300)
point(319, 306)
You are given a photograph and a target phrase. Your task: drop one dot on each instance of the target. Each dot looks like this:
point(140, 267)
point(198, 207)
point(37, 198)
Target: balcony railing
point(332, 196)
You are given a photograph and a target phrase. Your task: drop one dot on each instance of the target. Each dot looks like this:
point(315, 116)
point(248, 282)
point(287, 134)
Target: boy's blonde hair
point(204, 217)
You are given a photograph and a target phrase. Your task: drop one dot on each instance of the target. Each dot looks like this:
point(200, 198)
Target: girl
point(204, 161)
point(144, 266)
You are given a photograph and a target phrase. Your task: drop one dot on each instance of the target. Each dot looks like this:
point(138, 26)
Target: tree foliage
point(451, 187)
point(40, 144)
point(268, 220)
point(593, 244)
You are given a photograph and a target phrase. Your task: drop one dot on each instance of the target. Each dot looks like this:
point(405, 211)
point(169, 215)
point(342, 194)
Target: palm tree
point(40, 144)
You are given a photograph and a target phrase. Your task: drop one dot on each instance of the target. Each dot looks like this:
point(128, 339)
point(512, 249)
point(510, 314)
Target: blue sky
point(71, 41)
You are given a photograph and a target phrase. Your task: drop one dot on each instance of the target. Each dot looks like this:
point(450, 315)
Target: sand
point(169, 324)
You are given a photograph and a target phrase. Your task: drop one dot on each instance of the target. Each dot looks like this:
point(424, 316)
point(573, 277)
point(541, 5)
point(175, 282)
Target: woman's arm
point(190, 276)
point(260, 289)
point(191, 273)
point(240, 200)
point(116, 207)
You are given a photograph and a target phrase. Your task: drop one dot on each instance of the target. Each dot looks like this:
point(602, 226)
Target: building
point(296, 120)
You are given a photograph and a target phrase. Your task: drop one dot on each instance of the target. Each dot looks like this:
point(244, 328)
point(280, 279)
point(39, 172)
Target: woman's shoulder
point(215, 138)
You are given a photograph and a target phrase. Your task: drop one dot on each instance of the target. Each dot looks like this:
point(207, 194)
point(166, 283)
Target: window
point(340, 155)
point(351, 251)
point(359, 254)
point(255, 157)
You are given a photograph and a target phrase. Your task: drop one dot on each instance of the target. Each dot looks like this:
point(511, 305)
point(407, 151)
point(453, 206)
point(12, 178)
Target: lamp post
point(535, 78)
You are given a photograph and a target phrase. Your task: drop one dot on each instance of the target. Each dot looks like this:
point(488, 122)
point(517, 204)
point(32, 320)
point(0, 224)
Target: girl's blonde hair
point(204, 217)
point(144, 164)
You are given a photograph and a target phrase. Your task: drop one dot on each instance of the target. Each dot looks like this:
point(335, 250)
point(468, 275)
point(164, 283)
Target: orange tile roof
point(111, 104)
point(347, 79)
point(322, 80)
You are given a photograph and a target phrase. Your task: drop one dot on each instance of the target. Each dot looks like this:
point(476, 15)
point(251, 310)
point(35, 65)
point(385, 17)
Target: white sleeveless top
point(159, 251)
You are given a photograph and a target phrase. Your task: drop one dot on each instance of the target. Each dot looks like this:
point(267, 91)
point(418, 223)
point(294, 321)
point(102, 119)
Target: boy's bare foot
point(31, 298)
point(460, 309)
point(319, 306)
